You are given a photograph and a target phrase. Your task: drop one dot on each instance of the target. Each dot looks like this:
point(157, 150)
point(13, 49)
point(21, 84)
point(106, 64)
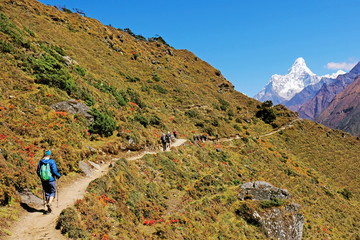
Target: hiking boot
point(48, 208)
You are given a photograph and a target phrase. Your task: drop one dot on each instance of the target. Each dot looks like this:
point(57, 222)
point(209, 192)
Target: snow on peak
point(334, 75)
point(300, 66)
point(282, 88)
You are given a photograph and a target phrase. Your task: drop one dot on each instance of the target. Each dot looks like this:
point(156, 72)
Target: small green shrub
point(215, 123)
point(84, 94)
point(160, 89)
point(155, 120)
point(103, 125)
point(65, 10)
point(6, 47)
point(223, 104)
point(156, 78)
point(79, 70)
point(31, 33)
point(199, 124)
point(133, 79)
point(134, 97)
point(142, 120)
point(68, 223)
point(158, 38)
point(267, 104)
point(237, 127)
point(273, 202)
point(238, 120)
point(268, 115)
point(119, 98)
point(346, 194)
point(191, 114)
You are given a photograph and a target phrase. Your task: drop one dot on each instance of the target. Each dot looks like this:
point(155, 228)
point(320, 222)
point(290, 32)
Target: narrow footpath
point(37, 226)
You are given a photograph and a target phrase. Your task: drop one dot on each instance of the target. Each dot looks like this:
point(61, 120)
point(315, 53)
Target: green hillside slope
point(138, 89)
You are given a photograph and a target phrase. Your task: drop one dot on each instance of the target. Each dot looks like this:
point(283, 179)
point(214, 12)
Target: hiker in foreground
point(47, 171)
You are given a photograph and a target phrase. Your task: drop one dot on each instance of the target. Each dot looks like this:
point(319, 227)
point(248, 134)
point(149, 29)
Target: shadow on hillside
point(31, 209)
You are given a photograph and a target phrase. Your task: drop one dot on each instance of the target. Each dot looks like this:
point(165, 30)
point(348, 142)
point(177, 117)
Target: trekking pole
point(43, 195)
point(57, 190)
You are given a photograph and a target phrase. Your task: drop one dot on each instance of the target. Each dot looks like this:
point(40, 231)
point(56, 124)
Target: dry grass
point(195, 186)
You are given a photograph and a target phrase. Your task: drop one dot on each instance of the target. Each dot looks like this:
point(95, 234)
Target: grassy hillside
point(192, 192)
point(138, 89)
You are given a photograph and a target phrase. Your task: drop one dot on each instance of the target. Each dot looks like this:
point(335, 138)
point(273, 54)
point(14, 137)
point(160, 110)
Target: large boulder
point(261, 190)
point(283, 221)
point(74, 107)
point(30, 199)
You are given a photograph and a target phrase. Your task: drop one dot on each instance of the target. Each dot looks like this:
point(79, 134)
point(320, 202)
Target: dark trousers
point(49, 189)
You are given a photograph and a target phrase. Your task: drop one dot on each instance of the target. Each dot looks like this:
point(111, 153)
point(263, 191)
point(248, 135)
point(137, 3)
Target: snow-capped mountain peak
point(299, 66)
point(282, 88)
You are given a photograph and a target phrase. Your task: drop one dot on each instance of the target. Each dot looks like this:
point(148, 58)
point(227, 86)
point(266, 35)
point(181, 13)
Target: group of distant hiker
point(200, 138)
point(166, 139)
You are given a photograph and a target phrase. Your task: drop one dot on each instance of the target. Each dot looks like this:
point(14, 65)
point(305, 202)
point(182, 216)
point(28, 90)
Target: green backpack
point(45, 172)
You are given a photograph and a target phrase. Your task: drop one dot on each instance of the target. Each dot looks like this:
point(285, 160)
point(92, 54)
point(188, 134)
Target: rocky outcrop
point(225, 87)
point(261, 190)
point(283, 221)
point(74, 107)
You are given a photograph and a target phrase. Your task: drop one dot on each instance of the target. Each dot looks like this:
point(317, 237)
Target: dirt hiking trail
point(35, 225)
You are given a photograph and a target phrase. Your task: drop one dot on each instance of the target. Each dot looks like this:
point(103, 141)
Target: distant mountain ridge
point(344, 110)
point(326, 94)
point(282, 88)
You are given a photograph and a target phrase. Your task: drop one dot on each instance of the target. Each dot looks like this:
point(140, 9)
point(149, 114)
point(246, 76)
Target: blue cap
point(48, 153)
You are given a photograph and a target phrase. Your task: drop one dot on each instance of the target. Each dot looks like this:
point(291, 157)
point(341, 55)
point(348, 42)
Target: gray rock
point(283, 223)
point(85, 168)
point(29, 198)
point(131, 141)
point(69, 61)
point(93, 150)
point(278, 222)
point(74, 107)
point(263, 185)
point(94, 165)
point(261, 190)
point(247, 185)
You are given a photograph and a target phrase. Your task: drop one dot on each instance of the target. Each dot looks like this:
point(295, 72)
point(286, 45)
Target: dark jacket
point(53, 168)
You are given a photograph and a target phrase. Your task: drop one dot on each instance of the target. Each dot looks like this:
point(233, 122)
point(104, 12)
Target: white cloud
point(341, 65)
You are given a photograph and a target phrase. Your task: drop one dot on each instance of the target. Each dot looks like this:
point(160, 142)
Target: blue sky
point(247, 40)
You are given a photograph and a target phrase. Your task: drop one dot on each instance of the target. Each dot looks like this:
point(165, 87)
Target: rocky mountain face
point(306, 94)
point(282, 88)
point(344, 110)
point(326, 94)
